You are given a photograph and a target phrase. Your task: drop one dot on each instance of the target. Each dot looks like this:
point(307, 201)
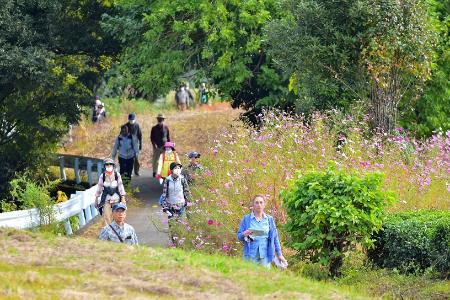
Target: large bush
point(414, 241)
point(330, 211)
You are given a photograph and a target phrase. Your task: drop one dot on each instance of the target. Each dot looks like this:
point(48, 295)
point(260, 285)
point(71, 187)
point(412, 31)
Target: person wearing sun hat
point(176, 194)
point(119, 231)
point(165, 159)
point(159, 136)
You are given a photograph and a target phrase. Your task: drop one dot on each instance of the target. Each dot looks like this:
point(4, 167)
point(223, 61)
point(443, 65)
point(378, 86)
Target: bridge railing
point(80, 204)
point(78, 163)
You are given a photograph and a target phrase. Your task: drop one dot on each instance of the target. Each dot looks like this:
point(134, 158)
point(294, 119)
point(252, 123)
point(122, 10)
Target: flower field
point(244, 161)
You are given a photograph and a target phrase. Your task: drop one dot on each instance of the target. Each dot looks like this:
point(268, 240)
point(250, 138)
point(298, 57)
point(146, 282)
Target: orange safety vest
point(167, 160)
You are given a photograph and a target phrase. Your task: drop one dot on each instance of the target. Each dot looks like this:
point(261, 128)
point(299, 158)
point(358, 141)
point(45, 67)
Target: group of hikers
point(184, 97)
point(257, 230)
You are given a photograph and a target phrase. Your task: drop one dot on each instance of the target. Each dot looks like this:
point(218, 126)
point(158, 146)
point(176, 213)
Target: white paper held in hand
point(280, 264)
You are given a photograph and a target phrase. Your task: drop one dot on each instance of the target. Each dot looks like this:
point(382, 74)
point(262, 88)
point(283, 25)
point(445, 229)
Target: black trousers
point(126, 168)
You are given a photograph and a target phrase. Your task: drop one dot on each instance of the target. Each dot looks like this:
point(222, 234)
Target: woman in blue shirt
point(259, 235)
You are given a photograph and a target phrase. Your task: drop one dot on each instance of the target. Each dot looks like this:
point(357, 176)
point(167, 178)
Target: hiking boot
point(136, 173)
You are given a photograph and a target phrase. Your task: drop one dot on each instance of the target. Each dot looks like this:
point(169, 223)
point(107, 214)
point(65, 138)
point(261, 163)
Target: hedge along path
point(190, 130)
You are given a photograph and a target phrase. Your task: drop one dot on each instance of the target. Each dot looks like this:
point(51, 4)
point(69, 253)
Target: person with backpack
point(166, 158)
point(176, 194)
point(127, 148)
point(110, 190)
point(119, 231)
point(159, 136)
point(194, 168)
point(135, 130)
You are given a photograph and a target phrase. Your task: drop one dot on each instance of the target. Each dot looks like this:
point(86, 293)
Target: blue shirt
point(258, 247)
point(273, 243)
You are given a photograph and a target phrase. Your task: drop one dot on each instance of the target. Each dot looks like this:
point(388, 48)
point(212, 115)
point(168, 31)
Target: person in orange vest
point(165, 159)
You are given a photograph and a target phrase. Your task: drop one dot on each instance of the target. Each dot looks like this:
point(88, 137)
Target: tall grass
point(244, 161)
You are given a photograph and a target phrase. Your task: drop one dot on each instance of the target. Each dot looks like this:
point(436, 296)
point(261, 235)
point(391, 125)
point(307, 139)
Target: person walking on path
point(260, 236)
point(127, 147)
point(110, 190)
point(191, 98)
point(135, 130)
point(182, 98)
point(166, 158)
point(159, 136)
point(194, 168)
point(119, 231)
point(176, 194)
point(204, 94)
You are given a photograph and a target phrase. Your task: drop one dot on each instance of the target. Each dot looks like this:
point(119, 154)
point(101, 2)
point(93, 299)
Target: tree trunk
point(385, 96)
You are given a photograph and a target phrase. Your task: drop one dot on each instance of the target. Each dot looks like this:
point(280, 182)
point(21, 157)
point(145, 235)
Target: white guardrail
point(80, 204)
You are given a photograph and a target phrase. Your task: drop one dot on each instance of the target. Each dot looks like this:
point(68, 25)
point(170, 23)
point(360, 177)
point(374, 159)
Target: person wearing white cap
point(119, 231)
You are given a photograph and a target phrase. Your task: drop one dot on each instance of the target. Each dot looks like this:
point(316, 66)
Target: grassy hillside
point(42, 266)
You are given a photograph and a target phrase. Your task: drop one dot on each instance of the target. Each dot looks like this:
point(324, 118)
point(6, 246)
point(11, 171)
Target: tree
point(339, 51)
point(431, 112)
point(50, 58)
point(195, 40)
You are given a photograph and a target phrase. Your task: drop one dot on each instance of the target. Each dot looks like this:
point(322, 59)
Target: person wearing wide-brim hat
point(176, 194)
point(159, 136)
point(167, 157)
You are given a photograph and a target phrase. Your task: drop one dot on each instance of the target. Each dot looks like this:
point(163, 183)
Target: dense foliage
point(414, 241)
point(168, 42)
point(330, 211)
point(52, 54)
point(337, 52)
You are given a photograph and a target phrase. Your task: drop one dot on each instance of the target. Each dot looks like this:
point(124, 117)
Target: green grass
point(33, 268)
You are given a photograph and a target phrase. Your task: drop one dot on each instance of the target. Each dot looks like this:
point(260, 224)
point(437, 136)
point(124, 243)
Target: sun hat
point(160, 116)
point(109, 161)
point(169, 144)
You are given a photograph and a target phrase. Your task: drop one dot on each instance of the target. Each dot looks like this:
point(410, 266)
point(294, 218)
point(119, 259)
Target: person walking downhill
point(119, 231)
point(260, 236)
point(204, 94)
point(191, 98)
point(135, 130)
point(110, 190)
point(176, 194)
point(182, 98)
point(159, 136)
point(194, 168)
point(127, 147)
point(165, 159)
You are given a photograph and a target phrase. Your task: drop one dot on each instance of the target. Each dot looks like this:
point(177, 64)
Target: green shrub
point(332, 210)
point(414, 241)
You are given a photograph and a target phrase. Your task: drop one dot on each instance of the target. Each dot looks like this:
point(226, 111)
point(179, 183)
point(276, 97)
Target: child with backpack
point(165, 159)
point(127, 148)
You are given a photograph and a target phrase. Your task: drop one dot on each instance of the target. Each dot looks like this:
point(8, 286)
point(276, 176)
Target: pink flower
point(210, 222)
point(208, 173)
point(228, 185)
point(225, 247)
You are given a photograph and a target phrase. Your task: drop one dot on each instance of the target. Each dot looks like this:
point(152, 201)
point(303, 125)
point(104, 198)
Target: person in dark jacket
point(127, 148)
point(159, 136)
point(135, 130)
